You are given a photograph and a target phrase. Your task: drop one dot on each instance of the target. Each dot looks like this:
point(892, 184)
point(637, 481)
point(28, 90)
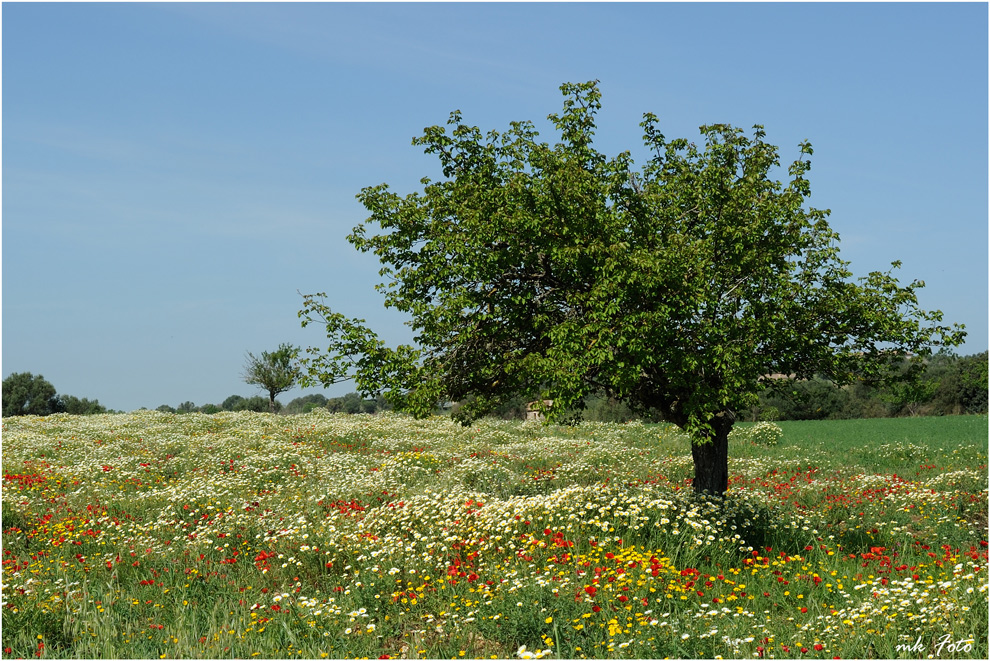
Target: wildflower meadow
point(240, 535)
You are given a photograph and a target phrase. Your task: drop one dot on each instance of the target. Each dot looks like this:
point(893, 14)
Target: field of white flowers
point(152, 535)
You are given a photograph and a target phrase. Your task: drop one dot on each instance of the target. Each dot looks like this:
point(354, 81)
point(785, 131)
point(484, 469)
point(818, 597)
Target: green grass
point(945, 433)
point(247, 535)
point(894, 445)
point(905, 446)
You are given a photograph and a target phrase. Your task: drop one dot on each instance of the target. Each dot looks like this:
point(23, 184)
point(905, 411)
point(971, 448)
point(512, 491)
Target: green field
point(152, 535)
point(954, 441)
point(943, 433)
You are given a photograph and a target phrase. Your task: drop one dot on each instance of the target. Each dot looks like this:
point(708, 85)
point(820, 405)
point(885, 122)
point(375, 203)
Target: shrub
point(762, 433)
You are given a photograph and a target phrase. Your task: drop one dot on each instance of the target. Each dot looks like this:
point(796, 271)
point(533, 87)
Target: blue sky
point(174, 173)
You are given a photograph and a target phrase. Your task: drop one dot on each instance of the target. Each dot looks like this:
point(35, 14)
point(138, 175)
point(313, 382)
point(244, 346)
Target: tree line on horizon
point(25, 393)
point(349, 403)
point(950, 385)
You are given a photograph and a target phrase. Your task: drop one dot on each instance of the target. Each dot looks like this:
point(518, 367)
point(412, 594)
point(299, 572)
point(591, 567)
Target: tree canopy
point(27, 394)
point(84, 406)
point(554, 272)
point(275, 371)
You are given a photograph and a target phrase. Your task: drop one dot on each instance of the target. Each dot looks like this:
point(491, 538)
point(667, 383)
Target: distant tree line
point(349, 403)
point(27, 394)
point(232, 403)
point(950, 385)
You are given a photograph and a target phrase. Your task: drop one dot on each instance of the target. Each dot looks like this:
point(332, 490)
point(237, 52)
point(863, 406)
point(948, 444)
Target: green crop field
point(891, 445)
point(240, 535)
point(942, 434)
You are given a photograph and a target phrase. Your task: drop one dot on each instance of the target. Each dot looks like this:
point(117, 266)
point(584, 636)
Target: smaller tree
point(909, 397)
point(351, 403)
point(233, 403)
point(26, 394)
point(275, 372)
point(306, 403)
point(259, 404)
point(973, 381)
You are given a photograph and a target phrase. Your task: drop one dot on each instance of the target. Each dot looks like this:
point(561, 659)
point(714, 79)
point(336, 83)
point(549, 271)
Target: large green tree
point(274, 371)
point(27, 394)
point(555, 272)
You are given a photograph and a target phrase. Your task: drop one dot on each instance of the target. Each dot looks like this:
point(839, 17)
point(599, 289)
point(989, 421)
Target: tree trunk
point(711, 457)
point(271, 402)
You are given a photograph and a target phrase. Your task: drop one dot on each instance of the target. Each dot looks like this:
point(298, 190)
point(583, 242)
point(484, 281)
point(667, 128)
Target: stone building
point(533, 411)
